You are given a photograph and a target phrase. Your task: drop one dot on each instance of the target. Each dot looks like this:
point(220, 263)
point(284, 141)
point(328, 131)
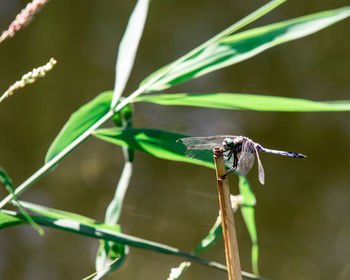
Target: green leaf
point(128, 47)
point(5, 178)
point(7, 182)
point(96, 230)
point(110, 256)
point(212, 236)
point(7, 220)
point(238, 47)
point(159, 143)
point(247, 211)
point(176, 272)
point(79, 122)
point(240, 101)
point(108, 251)
point(55, 213)
point(148, 82)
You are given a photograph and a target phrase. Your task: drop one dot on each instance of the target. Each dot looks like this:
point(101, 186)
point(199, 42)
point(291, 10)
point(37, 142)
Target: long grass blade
point(242, 46)
point(242, 101)
point(128, 48)
point(162, 72)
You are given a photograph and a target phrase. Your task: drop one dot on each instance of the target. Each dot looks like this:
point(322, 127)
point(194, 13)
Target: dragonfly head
point(228, 144)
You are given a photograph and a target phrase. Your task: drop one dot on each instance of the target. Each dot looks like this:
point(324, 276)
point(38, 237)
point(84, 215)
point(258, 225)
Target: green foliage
point(235, 48)
point(9, 220)
point(247, 211)
point(7, 182)
point(159, 143)
point(128, 47)
point(160, 73)
point(108, 252)
point(81, 225)
point(79, 122)
point(82, 119)
point(220, 51)
point(240, 101)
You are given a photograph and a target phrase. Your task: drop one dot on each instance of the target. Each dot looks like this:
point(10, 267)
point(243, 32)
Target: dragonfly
point(239, 152)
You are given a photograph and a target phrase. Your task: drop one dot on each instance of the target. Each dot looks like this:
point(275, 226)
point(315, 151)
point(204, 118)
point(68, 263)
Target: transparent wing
point(204, 143)
point(201, 148)
point(203, 155)
point(260, 168)
point(246, 158)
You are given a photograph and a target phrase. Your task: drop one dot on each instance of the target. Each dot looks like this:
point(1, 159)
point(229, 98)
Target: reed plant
point(228, 47)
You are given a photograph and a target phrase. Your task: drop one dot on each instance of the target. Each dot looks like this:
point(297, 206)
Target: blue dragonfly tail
point(282, 153)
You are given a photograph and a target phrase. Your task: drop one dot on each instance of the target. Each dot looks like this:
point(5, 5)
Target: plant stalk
point(227, 221)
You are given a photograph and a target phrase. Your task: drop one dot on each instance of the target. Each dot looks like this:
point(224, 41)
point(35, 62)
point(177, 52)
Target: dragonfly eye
point(228, 144)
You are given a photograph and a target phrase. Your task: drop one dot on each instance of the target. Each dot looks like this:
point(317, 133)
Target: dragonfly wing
point(203, 155)
point(201, 143)
point(201, 148)
point(260, 168)
point(246, 158)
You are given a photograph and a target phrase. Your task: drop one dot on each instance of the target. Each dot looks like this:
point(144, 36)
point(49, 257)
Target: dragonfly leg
point(229, 155)
point(235, 163)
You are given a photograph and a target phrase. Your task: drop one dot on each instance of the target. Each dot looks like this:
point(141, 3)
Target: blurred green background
point(303, 210)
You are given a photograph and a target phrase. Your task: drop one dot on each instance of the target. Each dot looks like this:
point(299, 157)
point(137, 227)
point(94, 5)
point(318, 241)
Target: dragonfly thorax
point(234, 144)
point(228, 144)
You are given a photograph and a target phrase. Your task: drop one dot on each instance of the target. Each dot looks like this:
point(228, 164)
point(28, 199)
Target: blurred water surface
point(302, 213)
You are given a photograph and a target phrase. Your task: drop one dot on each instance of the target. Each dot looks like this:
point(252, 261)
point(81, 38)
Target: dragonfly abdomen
point(282, 153)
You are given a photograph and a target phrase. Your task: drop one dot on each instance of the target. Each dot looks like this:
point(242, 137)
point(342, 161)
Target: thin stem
point(227, 221)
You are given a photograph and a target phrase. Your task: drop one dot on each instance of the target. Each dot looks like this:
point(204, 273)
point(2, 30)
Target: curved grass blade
point(247, 211)
point(103, 231)
point(128, 48)
point(212, 236)
point(176, 272)
point(99, 231)
point(100, 273)
point(79, 122)
point(241, 46)
point(241, 101)
point(110, 255)
point(7, 182)
point(109, 251)
point(9, 220)
point(159, 143)
point(231, 29)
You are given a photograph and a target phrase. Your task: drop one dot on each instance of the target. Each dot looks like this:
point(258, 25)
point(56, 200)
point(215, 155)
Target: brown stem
point(227, 221)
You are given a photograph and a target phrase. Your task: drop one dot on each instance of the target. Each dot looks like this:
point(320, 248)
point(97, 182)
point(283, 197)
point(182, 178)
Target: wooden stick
point(227, 221)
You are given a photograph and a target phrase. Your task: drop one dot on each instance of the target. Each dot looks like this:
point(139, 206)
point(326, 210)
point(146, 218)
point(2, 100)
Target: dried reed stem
point(29, 78)
point(23, 18)
point(227, 221)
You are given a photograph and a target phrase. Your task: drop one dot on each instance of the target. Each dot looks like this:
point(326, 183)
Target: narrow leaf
point(238, 47)
point(128, 47)
point(212, 236)
point(79, 122)
point(100, 273)
point(7, 182)
point(233, 28)
point(176, 272)
point(9, 221)
point(105, 232)
point(159, 143)
point(108, 251)
point(241, 101)
point(247, 211)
